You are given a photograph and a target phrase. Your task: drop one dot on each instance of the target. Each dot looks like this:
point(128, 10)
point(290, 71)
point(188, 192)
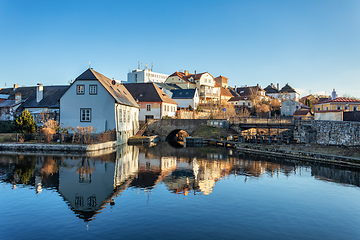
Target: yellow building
point(340, 103)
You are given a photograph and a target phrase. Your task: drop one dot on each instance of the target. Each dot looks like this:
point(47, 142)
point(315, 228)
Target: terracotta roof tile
point(340, 100)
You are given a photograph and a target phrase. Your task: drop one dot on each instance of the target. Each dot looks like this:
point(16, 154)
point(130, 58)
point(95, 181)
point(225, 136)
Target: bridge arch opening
point(176, 138)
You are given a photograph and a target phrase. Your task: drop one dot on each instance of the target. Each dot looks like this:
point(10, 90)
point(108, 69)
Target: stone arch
point(176, 137)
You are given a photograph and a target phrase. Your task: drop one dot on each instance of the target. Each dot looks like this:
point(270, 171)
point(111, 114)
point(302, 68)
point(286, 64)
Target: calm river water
point(167, 193)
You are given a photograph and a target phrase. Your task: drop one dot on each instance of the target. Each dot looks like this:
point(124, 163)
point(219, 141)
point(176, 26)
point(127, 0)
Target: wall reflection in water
point(89, 183)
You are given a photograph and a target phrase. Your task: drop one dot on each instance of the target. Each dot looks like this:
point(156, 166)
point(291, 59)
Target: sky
point(313, 45)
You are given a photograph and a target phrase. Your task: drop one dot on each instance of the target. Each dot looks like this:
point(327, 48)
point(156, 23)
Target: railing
point(257, 120)
point(73, 138)
point(270, 121)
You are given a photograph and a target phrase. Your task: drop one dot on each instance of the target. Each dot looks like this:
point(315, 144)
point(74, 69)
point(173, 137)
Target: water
point(167, 193)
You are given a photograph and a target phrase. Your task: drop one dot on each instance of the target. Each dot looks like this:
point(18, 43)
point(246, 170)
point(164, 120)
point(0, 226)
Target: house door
point(148, 117)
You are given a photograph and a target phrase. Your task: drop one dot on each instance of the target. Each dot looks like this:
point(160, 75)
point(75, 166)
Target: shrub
point(25, 123)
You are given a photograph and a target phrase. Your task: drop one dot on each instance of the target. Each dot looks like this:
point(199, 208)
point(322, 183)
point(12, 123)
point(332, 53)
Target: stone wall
point(337, 133)
point(184, 114)
point(165, 126)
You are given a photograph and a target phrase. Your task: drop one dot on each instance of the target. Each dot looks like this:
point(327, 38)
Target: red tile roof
point(187, 77)
point(340, 99)
point(301, 112)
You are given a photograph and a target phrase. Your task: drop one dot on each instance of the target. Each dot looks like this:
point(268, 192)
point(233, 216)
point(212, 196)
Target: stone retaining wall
point(337, 133)
point(56, 147)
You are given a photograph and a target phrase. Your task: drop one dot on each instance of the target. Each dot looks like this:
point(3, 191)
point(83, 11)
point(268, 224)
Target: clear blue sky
point(310, 44)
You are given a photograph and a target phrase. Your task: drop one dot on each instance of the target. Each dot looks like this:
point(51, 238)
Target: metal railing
point(259, 120)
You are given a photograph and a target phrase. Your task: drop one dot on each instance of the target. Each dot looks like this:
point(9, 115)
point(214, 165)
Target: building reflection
point(88, 184)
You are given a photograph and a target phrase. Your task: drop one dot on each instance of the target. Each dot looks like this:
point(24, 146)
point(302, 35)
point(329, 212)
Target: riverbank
point(32, 147)
point(301, 152)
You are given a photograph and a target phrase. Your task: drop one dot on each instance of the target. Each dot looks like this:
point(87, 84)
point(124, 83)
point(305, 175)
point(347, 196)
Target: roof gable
point(116, 90)
point(270, 89)
point(148, 92)
point(287, 89)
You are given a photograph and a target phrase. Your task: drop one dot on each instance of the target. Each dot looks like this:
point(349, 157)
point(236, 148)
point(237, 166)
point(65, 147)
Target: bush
point(7, 127)
point(25, 123)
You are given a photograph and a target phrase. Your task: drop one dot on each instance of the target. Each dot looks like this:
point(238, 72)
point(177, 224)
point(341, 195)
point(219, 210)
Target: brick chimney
point(186, 72)
point(17, 98)
point(278, 86)
point(15, 86)
point(39, 92)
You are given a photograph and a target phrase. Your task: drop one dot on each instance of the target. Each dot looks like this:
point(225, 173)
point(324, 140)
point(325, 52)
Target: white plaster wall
point(144, 76)
point(102, 107)
point(171, 112)
point(329, 116)
point(184, 103)
point(154, 111)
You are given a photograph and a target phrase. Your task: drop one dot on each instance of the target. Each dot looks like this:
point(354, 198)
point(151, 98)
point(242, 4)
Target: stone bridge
point(166, 126)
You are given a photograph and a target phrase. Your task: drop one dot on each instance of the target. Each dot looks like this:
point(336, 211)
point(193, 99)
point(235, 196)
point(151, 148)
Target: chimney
point(39, 92)
point(16, 86)
point(272, 85)
point(278, 86)
point(195, 73)
point(257, 85)
point(17, 98)
point(333, 94)
point(186, 72)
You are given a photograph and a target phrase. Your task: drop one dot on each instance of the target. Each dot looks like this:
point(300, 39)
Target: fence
point(73, 138)
point(257, 120)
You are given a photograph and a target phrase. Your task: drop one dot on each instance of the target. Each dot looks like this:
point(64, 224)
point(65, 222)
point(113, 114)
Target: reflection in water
point(88, 184)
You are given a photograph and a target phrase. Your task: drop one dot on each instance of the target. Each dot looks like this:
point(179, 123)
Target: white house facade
point(146, 75)
point(288, 107)
point(94, 100)
point(186, 97)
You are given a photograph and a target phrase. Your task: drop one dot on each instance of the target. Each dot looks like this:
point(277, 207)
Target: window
point(318, 109)
point(79, 201)
point(338, 107)
point(80, 89)
point(148, 107)
point(355, 108)
point(85, 114)
point(91, 201)
point(128, 113)
point(93, 89)
point(120, 115)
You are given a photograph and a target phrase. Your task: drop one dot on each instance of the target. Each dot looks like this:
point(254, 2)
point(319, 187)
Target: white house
point(288, 107)
point(204, 82)
point(146, 75)
point(94, 100)
point(186, 97)
point(285, 93)
point(153, 102)
point(88, 186)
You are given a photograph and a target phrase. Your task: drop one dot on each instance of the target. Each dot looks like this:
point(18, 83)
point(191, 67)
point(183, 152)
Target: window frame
point(148, 107)
point(92, 85)
point(77, 89)
point(90, 114)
